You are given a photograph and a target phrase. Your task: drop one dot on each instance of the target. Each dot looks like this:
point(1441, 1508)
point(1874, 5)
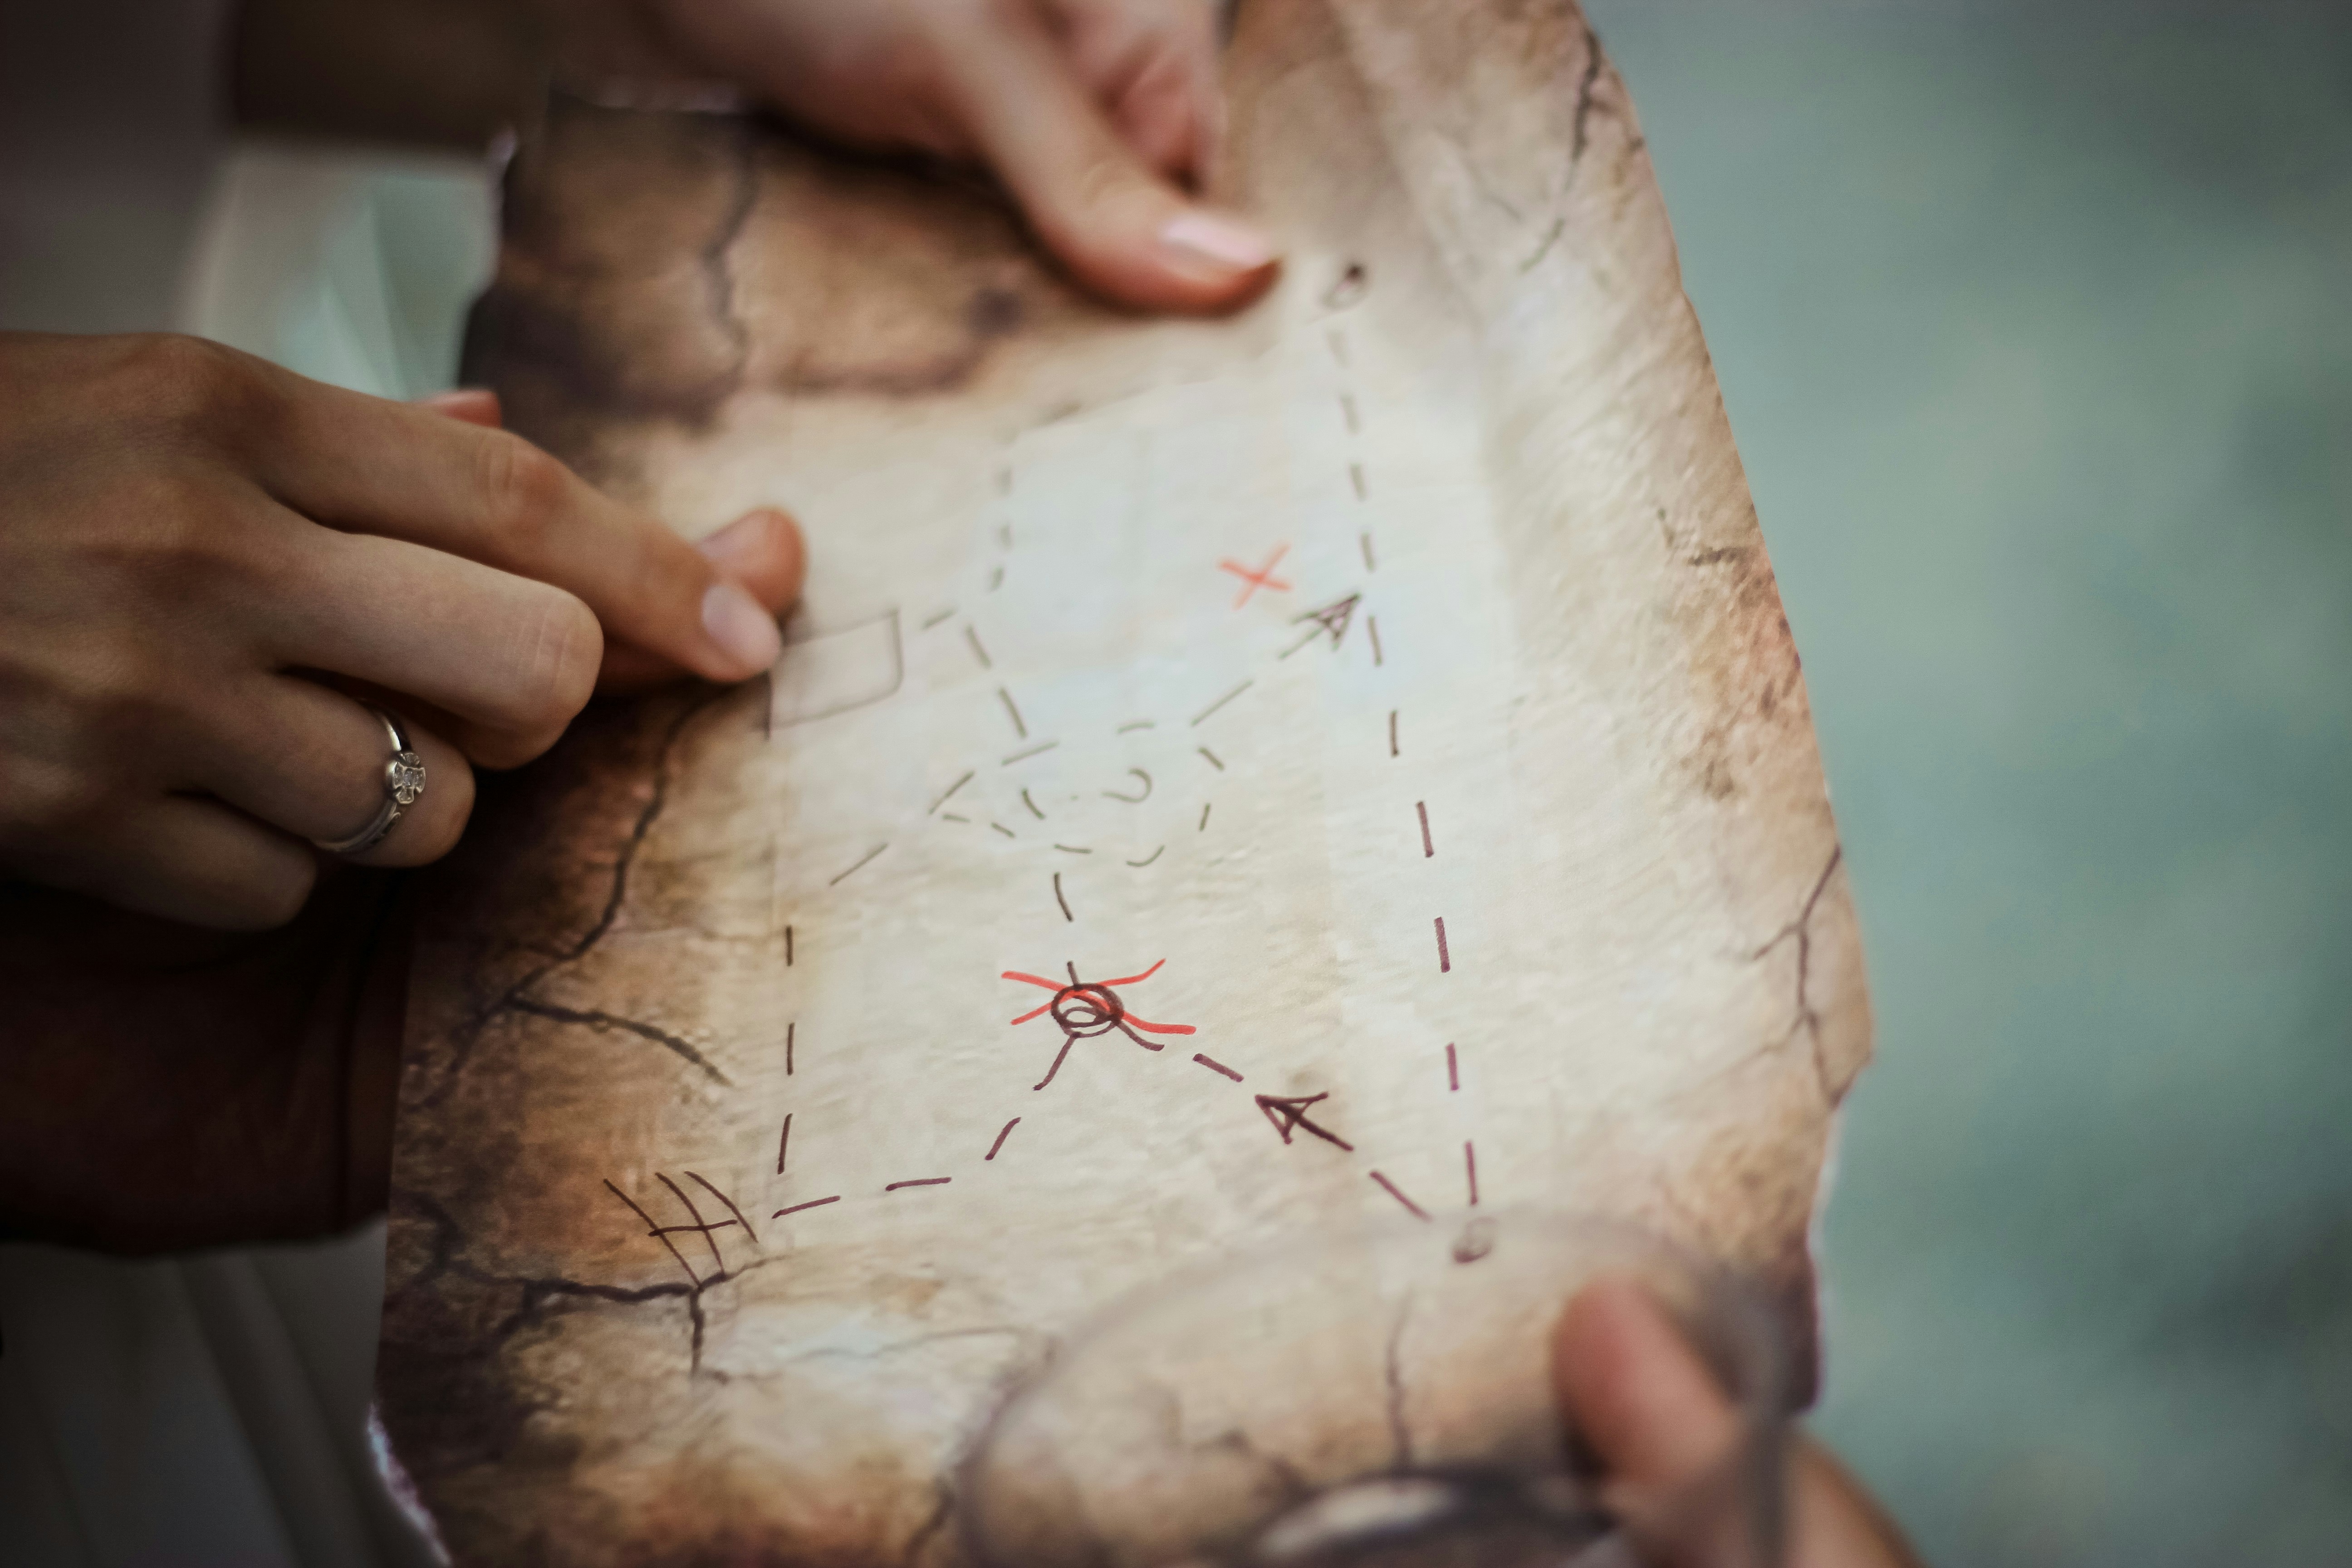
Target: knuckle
point(131, 702)
point(76, 737)
point(929, 60)
point(183, 534)
point(106, 710)
point(191, 387)
point(524, 491)
point(179, 554)
point(557, 650)
point(1106, 181)
point(48, 803)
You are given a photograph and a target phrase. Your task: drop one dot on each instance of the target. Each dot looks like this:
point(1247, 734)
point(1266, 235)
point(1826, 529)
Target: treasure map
point(1226, 781)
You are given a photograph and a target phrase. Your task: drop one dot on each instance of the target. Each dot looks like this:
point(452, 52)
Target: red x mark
point(1263, 577)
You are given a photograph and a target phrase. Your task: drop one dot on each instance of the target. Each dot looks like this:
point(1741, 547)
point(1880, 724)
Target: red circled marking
point(1098, 993)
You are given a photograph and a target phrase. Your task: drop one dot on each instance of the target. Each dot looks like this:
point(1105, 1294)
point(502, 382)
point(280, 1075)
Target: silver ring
point(404, 786)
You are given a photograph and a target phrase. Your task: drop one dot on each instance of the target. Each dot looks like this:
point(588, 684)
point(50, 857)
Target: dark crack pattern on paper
point(1393, 1370)
point(942, 1511)
point(536, 1292)
point(599, 1020)
point(516, 997)
point(1808, 1019)
point(1587, 87)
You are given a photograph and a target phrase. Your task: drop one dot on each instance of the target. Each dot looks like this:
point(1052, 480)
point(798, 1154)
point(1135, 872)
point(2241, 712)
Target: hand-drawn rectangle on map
point(827, 672)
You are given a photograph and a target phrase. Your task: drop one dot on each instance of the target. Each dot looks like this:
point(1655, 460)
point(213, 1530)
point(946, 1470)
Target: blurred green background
point(2034, 321)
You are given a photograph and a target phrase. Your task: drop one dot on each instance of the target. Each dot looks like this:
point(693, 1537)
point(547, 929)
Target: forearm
point(162, 1087)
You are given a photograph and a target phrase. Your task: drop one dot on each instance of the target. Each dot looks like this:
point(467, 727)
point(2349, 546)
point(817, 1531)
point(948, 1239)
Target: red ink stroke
point(1263, 577)
point(1097, 989)
point(1085, 1008)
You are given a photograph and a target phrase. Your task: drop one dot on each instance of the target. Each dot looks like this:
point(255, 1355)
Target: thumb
point(1636, 1392)
point(1123, 230)
point(1667, 1438)
point(1666, 1435)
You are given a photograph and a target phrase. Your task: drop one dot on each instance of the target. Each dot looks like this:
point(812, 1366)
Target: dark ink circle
point(1086, 1011)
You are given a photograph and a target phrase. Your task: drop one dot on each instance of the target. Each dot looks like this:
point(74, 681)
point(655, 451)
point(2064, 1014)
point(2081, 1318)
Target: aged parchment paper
point(1366, 727)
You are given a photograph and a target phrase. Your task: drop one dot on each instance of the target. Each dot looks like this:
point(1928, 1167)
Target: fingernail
point(1229, 244)
point(737, 623)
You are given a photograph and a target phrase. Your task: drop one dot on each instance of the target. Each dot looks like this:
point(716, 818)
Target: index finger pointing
point(364, 465)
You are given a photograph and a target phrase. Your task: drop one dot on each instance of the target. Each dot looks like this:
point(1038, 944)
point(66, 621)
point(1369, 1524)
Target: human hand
point(1645, 1403)
point(1093, 113)
point(202, 558)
